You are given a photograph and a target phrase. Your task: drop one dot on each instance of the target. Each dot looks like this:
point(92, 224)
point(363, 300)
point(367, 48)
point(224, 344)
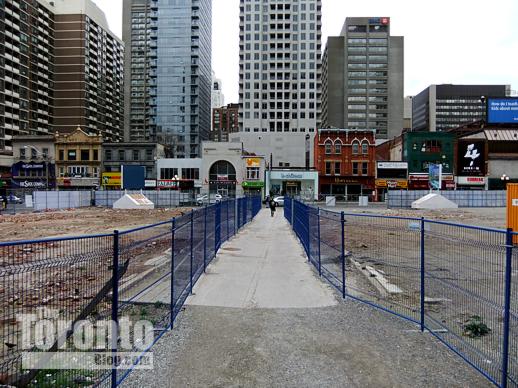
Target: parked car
point(14, 199)
point(213, 198)
point(279, 201)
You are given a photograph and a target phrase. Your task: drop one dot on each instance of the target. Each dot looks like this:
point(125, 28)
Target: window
point(431, 146)
point(356, 147)
point(108, 154)
point(85, 154)
point(168, 173)
point(121, 154)
point(61, 154)
point(71, 154)
point(96, 155)
point(77, 171)
point(190, 173)
point(328, 168)
point(45, 153)
point(149, 154)
point(34, 153)
point(338, 147)
point(365, 170)
point(337, 168)
point(136, 155)
point(329, 146)
point(252, 173)
point(22, 153)
point(365, 148)
point(355, 168)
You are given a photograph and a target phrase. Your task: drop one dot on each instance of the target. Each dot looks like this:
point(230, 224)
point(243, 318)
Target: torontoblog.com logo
point(50, 342)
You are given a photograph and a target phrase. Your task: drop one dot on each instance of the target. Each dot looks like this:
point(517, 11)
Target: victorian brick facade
point(346, 162)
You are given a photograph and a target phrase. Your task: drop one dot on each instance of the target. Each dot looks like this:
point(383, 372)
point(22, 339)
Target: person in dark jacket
point(272, 206)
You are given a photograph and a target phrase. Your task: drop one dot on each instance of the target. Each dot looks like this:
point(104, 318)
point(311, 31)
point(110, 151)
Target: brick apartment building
point(346, 162)
point(225, 120)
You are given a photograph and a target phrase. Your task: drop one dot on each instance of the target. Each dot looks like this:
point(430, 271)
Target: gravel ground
point(350, 344)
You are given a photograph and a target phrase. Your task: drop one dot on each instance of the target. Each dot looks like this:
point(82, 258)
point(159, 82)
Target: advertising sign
point(392, 165)
point(150, 183)
point(111, 179)
point(471, 180)
point(253, 162)
point(392, 183)
point(471, 159)
point(133, 177)
point(434, 176)
point(502, 110)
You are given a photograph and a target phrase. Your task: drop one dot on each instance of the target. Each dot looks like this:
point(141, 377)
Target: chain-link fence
point(103, 282)
point(454, 280)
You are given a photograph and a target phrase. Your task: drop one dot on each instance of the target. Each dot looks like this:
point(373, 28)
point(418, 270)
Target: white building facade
point(280, 66)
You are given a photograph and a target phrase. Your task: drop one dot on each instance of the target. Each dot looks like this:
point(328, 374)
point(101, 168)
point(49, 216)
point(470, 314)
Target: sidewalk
point(262, 317)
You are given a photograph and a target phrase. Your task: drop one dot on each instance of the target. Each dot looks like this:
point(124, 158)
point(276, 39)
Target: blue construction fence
point(463, 198)
point(144, 273)
point(455, 281)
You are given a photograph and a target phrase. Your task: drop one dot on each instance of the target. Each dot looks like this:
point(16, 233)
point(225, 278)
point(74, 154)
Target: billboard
point(434, 176)
point(111, 179)
point(133, 177)
point(471, 158)
point(502, 110)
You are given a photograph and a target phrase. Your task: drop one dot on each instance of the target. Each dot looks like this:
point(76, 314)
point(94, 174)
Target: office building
point(217, 97)
point(225, 120)
point(362, 78)
point(61, 67)
point(168, 73)
point(279, 67)
point(444, 107)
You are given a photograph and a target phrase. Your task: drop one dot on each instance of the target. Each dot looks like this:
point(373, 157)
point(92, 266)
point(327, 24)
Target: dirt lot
point(78, 221)
point(488, 217)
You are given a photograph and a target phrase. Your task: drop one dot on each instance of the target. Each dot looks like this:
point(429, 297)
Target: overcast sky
point(446, 41)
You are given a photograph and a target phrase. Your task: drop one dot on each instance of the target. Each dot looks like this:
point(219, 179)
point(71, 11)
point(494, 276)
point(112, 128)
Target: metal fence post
point(228, 221)
point(192, 247)
point(173, 227)
point(292, 209)
point(422, 290)
point(307, 219)
point(205, 239)
point(342, 221)
point(318, 241)
point(507, 304)
point(115, 305)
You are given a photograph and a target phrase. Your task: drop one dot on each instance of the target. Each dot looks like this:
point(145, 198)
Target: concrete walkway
point(264, 267)
point(262, 318)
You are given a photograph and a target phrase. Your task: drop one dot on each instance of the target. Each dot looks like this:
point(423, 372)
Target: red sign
point(385, 20)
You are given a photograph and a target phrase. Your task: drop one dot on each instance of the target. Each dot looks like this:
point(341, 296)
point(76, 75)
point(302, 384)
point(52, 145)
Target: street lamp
point(46, 158)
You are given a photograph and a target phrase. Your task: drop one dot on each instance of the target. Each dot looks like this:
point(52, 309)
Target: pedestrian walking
point(272, 207)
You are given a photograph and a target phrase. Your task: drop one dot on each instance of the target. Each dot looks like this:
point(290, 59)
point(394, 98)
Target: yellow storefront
point(111, 180)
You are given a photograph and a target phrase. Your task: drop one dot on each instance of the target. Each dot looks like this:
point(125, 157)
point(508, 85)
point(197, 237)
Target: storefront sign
point(295, 175)
point(253, 162)
point(27, 184)
point(392, 165)
point(291, 175)
point(168, 184)
point(471, 159)
point(222, 177)
point(471, 180)
point(111, 179)
point(392, 183)
point(31, 166)
point(150, 183)
point(345, 180)
point(253, 184)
